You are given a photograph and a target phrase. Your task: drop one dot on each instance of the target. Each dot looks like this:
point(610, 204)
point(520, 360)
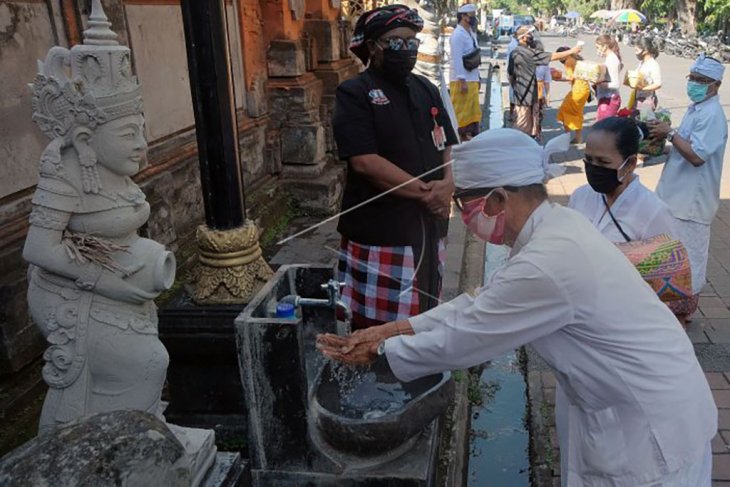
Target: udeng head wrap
point(708, 67)
point(504, 157)
point(374, 23)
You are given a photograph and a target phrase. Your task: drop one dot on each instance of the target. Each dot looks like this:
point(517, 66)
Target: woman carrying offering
point(607, 92)
point(570, 113)
point(650, 76)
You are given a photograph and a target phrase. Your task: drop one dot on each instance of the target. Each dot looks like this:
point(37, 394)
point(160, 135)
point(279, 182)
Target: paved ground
point(710, 328)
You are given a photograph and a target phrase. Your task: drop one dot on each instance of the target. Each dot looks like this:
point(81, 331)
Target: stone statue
point(92, 278)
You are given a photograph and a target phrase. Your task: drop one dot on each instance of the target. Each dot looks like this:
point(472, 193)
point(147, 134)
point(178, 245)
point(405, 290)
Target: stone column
point(295, 96)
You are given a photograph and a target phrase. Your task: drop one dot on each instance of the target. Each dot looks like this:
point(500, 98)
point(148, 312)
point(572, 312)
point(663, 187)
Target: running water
point(362, 394)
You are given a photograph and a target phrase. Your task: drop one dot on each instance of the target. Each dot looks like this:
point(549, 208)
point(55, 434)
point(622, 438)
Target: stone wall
point(283, 120)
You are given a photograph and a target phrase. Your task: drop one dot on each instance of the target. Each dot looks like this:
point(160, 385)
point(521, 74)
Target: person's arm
point(520, 305)
point(706, 137)
point(557, 56)
point(385, 175)
point(457, 61)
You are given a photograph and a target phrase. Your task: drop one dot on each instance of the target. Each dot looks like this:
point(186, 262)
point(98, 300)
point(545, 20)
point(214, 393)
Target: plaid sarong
point(380, 282)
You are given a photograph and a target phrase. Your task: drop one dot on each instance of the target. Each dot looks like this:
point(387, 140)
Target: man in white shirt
point(633, 405)
point(464, 83)
point(690, 181)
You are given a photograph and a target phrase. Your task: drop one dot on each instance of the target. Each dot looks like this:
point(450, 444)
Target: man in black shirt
point(521, 68)
point(392, 128)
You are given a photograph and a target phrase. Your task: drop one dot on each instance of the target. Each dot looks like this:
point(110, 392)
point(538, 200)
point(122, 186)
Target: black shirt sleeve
point(352, 122)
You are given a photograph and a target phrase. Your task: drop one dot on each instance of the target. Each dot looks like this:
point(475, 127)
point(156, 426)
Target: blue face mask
point(696, 91)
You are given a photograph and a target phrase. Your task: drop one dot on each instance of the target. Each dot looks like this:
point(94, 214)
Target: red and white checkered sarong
point(380, 282)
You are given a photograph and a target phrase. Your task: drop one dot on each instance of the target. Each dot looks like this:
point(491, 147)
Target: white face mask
point(486, 227)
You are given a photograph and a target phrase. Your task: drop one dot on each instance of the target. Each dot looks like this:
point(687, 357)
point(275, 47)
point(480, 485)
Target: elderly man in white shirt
point(690, 181)
point(633, 405)
point(464, 83)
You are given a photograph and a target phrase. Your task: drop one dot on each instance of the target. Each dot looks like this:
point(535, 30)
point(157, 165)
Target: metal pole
point(214, 108)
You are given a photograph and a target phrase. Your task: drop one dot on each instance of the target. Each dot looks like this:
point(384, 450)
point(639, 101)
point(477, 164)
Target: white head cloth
point(467, 8)
point(706, 66)
point(504, 157)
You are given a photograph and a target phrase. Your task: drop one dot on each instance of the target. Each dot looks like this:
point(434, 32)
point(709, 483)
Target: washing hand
point(359, 348)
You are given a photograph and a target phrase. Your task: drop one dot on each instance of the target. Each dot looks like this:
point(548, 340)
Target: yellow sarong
point(570, 112)
point(466, 105)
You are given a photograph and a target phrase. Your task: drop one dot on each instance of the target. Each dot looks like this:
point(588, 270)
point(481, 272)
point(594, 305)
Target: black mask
point(473, 22)
point(640, 56)
point(602, 179)
point(399, 64)
point(531, 42)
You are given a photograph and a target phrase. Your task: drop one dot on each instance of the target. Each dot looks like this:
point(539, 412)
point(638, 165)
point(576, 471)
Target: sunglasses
point(395, 43)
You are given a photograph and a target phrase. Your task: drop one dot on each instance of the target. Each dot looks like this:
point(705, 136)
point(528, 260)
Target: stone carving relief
point(92, 278)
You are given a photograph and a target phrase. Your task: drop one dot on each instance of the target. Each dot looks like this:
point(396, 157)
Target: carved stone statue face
point(120, 145)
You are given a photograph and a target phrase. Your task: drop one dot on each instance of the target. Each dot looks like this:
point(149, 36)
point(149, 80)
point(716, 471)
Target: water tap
point(334, 301)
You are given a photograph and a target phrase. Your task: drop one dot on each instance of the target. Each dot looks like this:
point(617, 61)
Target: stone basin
point(368, 411)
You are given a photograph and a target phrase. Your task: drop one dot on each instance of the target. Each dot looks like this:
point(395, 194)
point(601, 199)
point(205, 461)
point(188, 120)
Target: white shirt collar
point(528, 229)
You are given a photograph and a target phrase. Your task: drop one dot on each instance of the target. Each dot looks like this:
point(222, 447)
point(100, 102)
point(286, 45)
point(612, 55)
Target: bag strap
point(615, 222)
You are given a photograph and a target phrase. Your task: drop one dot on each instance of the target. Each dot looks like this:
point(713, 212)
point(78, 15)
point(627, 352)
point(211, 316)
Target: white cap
point(504, 157)
point(467, 8)
point(708, 67)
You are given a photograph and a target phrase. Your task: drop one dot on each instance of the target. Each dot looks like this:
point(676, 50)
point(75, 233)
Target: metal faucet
point(333, 301)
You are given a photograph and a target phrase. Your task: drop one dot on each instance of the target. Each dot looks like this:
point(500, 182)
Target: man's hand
point(658, 129)
point(464, 86)
point(438, 199)
point(576, 49)
point(360, 348)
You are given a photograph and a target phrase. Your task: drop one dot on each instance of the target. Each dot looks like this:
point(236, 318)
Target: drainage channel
point(499, 445)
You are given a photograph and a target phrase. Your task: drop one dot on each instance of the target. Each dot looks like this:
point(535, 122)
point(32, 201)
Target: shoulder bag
point(472, 59)
point(662, 262)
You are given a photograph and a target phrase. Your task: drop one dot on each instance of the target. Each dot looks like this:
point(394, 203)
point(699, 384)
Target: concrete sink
point(368, 411)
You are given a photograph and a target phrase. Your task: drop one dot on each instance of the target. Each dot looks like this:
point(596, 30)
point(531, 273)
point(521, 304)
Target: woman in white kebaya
point(610, 161)
point(633, 406)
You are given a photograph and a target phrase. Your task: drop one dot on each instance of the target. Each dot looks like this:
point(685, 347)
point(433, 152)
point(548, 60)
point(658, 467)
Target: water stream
point(499, 447)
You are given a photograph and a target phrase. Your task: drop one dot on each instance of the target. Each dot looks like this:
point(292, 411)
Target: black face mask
point(602, 179)
point(398, 64)
point(640, 56)
point(473, 22)
point(531, 42)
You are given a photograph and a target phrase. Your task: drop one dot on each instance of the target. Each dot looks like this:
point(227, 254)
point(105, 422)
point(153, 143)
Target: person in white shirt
point(633, 405)
point(644, 97)
point(610, 160)
point(607, 92)
point(690, 181)
point(464, 83)
point(614, 200)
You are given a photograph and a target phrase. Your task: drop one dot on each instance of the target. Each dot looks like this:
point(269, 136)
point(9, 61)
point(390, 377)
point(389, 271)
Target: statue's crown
point(100, 86)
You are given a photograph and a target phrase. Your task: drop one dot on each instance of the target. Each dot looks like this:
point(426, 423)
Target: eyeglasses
point(474, 193)
point(700, 79)
point(395, 43)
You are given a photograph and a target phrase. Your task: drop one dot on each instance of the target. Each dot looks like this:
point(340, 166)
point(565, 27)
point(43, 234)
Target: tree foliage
point(707, 14)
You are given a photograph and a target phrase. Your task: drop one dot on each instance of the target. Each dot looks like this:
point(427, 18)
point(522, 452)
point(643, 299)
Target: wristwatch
point(671, 134)
point(381, 348)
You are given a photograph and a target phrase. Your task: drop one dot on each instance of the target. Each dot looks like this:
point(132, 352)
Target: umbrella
point(629, 16)
point(572, 15)
point(603, 14)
